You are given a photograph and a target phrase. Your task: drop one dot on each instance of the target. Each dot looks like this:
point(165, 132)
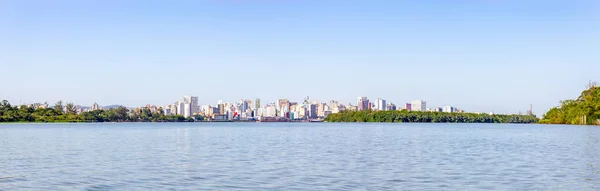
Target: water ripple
point(226, 156)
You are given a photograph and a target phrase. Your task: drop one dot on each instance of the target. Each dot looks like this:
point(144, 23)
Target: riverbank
point(426, 117)
point(584, 110)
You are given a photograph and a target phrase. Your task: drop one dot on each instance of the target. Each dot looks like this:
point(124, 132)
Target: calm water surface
point(309, 156)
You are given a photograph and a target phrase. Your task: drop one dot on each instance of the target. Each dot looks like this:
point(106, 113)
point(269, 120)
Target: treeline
point(585, 110)
point(68, 113)
point(426, 117)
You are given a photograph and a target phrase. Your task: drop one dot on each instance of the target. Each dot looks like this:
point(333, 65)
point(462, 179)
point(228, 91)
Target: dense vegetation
point(585, 110)
point(58, 113)
point(426, 117)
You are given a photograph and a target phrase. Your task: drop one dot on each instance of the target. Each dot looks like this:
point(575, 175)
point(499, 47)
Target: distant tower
point(530, 109)
point(257, 103)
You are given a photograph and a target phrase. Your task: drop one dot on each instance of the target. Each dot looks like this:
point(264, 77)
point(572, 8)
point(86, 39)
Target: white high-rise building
point(187, 110)
point(193, 102)
point(449, 109)
point(95, 107)
point(380, 105)
point(189, 106)
point(418, 105)
point(270, 110)
point(180, 108)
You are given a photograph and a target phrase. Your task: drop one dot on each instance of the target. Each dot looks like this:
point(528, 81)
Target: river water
point(298, 156)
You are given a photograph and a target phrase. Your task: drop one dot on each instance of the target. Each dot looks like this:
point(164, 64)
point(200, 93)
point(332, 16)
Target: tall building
point(245, 106)
point(95, 107)
point(312, 111)
point(208, 110)
point(283, 104)
point(221, 108)
point(449, 109)
point(187, 110)
point(390, 107)
point(381, 105)
point(408, 107)
point(300, 111)
point(180, 108)
point(195, 108)
point(257, 104)
point(418, 105)
point(284, 112)
point(239, 107)
point(363, 103)
point(191, 106)
point(250, 106)
point(270, 111)
point(293, 106)
point(321, 109)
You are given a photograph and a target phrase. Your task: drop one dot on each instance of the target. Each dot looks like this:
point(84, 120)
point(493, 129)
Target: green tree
point(71, 109)
point(59, 106)
point(583, 110)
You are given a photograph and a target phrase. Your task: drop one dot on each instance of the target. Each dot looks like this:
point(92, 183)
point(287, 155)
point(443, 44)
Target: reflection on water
point(307, 156)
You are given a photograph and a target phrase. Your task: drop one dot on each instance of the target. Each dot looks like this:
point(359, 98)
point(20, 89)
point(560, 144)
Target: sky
point(477, 55)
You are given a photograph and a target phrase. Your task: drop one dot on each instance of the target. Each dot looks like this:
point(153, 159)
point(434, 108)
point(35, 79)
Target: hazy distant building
point(352, 107)
point(208, 110)
point(168, 111)
point(312, 111)
point(189, 106)
point(293, 106)
point(390, 107)
point(95, 107)
point(221, 108)
point(284, 112)
point(326, 113)
point(283, 104)
point(195, 106)
point(245, 106)
point(250, 106)
point(270, 111)
point(337, 108)
point(381, 105)
point(363, 103)
point(418, 105)
point(408, 107)
point(180, 108)
point(257, 104)
point(187, 110)
point(449, 109)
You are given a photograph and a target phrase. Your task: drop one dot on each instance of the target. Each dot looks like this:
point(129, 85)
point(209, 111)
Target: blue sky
point(479, 55)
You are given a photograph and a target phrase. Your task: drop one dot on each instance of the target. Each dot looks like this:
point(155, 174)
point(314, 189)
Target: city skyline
point(410, 105)
point(189, 106)
point(498, 56)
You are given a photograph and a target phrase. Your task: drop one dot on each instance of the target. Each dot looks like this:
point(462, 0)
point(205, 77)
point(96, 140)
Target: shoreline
point(276, 122)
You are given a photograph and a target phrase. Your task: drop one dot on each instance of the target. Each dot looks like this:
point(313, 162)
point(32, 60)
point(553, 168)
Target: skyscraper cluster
point(187, 107)
point(247, 109)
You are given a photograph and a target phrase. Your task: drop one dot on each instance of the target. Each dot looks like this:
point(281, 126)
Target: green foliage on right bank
point(585, 110)
point(426, 117)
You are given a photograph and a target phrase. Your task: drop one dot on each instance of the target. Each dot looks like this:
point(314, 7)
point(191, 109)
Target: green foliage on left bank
point(67, 113)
